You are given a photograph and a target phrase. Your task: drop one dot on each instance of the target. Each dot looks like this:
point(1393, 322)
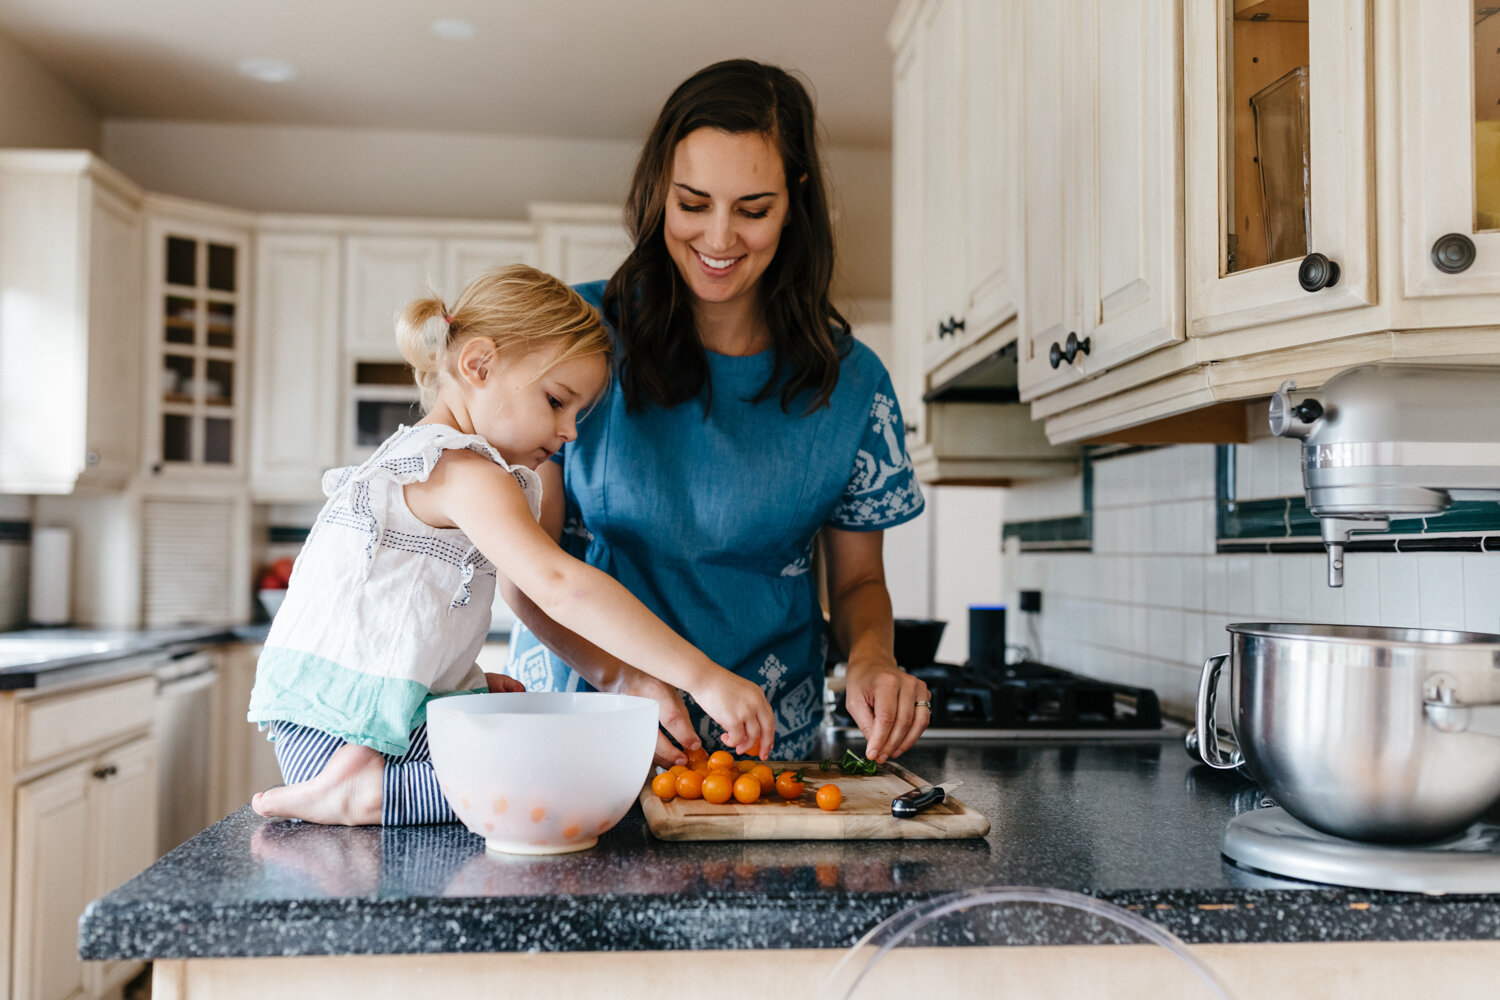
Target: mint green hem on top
point(310, 690)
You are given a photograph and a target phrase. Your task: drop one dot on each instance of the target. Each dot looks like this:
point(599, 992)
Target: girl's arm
point(468, 491)
point(609, 673)
point(880, 696)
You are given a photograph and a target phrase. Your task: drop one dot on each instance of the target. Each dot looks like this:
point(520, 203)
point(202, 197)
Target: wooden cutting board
point(865, 813)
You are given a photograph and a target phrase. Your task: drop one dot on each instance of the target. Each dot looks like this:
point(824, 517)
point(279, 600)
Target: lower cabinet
point(82, 780)
point(246, 761)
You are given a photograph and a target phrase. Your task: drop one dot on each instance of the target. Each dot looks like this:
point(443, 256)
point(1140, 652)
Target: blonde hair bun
point(517, 308)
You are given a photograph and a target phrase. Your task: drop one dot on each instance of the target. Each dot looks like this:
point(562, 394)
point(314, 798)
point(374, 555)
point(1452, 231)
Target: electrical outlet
point(1031, 600)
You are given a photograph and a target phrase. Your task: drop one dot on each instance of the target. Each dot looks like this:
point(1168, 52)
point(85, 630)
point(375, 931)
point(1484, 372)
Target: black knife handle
point(908, 804)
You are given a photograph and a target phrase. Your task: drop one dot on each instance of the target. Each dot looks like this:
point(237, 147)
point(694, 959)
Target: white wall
point(37, 110)
point(1151, 601)
point(285, 168)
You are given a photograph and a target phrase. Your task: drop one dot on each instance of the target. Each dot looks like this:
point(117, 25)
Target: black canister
point(987, 635)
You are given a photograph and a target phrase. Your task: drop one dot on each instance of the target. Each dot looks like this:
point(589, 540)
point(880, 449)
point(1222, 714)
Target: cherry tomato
point(665, 786)
point(717, 787)
point(789, 784)
point(829, 797)
point(696, 756)
point(720, 758)
point(745, 766)
point(677, 768)
point(690, 785)
point(764, 775)
point(746, 789)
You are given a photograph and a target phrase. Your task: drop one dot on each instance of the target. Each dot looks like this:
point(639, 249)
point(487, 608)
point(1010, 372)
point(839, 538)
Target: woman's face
point(726, 206)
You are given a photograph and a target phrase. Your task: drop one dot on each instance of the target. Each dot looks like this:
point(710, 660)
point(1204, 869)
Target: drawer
point(55, 726)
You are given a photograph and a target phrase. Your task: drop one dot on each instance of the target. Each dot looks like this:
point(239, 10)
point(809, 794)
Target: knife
point(908, 804)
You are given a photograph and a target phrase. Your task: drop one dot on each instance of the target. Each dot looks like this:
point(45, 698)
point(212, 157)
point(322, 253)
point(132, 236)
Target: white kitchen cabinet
point(1278, 160)
point(579, 243)
point(197, 333)
point(1103, 152)
point(81, 775)
point(464, 258)
point(245, 761)
point(383, 274)
point(956, 251)
point(1450, 155)
point(295, 426)
point(70, 322)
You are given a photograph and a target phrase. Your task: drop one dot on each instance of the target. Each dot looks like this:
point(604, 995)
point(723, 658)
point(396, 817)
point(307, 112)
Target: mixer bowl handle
point(1206, 732)
point(1448, 713)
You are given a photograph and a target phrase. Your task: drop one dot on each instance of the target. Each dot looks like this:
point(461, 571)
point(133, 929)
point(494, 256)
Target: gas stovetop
point(1030, 700)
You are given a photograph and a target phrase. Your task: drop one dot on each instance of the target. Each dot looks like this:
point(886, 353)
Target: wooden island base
point(1381, 970)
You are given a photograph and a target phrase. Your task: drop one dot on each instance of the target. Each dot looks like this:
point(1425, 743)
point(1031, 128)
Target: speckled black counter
point(1134, 824)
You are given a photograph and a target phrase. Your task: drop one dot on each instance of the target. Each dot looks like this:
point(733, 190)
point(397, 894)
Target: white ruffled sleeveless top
point(384, 611)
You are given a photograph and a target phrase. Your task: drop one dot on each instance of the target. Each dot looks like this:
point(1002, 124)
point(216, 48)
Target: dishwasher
point(184, 734)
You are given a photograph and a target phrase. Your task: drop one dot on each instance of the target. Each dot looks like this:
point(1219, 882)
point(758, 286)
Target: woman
point(744, 424)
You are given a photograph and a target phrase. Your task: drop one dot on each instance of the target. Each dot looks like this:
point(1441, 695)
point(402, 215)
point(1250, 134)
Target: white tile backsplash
point(1152, 600)
point(1440, 588)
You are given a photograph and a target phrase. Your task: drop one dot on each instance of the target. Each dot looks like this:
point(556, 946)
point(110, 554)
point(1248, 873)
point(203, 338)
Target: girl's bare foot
point(347, 792)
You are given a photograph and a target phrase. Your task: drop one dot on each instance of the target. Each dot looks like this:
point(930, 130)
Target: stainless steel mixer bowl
point(1368, 733)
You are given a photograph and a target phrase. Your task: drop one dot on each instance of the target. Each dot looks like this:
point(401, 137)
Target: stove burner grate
point(1028, 695)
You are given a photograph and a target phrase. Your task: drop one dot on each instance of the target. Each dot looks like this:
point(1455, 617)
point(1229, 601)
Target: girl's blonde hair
point(516, 308)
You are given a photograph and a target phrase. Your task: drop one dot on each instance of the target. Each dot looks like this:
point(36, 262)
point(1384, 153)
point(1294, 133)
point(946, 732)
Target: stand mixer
point(1392, 440)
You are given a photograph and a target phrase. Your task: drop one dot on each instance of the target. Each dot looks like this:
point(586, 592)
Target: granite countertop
point(45, 657)
point(1135, 824)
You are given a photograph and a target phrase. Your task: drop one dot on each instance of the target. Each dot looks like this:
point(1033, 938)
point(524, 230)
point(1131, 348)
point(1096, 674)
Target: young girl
point(390, 599)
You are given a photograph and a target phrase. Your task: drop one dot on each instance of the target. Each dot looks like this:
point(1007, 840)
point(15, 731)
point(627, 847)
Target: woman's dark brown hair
point(661, 358)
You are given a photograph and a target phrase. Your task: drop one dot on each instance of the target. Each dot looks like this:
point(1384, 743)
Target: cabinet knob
point(911, 430)
point(955, 325)
point(1055, 355)
point(1075, 347)
point(108, 771)
point(1453, 253)
point(1316, 272)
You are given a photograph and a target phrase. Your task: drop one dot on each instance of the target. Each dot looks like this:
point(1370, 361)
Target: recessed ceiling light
point(268, 70)
point(453, 28)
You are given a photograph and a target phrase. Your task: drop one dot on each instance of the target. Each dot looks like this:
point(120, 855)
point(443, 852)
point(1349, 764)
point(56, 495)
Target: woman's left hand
point(883, 698)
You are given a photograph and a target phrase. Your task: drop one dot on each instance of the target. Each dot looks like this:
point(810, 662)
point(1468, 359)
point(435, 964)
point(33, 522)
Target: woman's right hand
point(740, 707)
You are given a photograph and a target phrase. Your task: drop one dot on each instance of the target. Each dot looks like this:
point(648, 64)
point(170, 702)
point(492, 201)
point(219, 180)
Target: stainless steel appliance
point(1366, 733)
point(184, 733)
point(1389, 440)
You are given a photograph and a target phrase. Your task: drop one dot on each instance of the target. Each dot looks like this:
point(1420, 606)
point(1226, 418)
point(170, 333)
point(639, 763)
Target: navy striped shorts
point(411, 793)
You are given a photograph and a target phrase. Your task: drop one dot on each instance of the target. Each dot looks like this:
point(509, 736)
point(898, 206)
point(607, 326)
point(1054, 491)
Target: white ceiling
point(576, 68)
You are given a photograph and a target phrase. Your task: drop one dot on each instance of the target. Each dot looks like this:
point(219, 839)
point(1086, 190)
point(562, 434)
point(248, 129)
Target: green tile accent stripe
point(1272, 525)
point(1060, 534)
point(286, 533)
point(15, 531)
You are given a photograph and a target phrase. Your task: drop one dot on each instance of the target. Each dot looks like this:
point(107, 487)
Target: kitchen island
point(252, 906)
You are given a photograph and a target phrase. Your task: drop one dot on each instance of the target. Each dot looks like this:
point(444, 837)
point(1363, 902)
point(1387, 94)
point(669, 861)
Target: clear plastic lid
point(1037, 943)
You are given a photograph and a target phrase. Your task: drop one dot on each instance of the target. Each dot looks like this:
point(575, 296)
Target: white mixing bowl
point(541, 772)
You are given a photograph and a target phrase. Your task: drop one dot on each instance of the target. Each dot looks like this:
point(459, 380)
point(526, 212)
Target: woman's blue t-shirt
point(710, 522)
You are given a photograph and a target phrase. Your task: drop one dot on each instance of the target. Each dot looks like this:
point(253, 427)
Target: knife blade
point(908, 804)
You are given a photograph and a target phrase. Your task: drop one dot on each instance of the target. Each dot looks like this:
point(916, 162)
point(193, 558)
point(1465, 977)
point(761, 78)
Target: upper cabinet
point(70, 323)
point(1279, 162)
point(956, 251)
point(579, 243)
point(197, 336)
point(1449, 54)
point(1102, 152)
point(1216, 196)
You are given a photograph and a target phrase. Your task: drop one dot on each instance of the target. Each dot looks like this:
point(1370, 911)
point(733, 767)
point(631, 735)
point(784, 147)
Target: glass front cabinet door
point(196, 355)
point(1450, 147)
point(1278, 160)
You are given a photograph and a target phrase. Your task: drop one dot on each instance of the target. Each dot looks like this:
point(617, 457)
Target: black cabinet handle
point(942, 329)
point(108, 771)
point(1075, 346)
point(1316, 272)
point(955, 325)
point(1453, 253)
point(1055, 355)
